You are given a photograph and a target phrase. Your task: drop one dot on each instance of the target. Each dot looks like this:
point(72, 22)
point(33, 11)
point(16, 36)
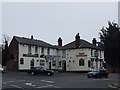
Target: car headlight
point(94, 73)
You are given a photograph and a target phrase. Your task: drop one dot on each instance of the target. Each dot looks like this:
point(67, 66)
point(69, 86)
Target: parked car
point(98, 73)
point(41, 70)
point(1, 69)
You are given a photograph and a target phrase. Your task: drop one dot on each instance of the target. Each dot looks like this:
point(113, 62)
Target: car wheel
point(106, 76)
point(33, 73)
point(48, 74)
point(89, 76)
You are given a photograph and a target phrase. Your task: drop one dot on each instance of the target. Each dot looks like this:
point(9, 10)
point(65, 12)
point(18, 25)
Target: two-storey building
point(78, 55)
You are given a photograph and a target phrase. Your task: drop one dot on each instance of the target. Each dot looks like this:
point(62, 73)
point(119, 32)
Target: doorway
point(50, 65)
point(64, 65)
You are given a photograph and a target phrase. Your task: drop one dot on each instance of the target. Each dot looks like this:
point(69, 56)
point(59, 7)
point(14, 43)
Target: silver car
point(1, 69)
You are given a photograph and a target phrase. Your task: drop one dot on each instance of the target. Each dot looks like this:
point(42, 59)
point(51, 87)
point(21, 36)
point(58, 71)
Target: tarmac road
point(23, 80)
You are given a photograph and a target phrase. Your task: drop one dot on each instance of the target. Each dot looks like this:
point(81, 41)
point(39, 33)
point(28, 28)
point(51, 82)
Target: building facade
point(79, 55)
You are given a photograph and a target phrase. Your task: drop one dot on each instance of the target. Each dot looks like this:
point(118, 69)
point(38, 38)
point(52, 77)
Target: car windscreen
point(95, 70)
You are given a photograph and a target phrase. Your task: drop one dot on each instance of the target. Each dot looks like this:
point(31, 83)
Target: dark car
point(98, 73)
point(41, 70)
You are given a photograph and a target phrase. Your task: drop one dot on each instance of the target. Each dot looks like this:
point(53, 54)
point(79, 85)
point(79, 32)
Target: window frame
point(42, 50)
point(81, 62)
point(21, 61)
point(29, 49)
point(36, 50)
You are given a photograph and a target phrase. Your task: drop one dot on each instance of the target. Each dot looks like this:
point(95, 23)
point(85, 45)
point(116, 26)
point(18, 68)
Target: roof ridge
point(35, 41)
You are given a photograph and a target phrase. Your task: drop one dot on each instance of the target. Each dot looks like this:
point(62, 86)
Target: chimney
point(94, 41)
point(31, 36)
point(77, 40)
point(60, 42)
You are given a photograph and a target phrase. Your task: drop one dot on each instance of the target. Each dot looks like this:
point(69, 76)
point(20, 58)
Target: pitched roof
point(28, 41)
point(83, 44)
point(71, 45)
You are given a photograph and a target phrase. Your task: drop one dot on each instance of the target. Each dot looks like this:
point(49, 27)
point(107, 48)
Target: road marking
point(55, 86)
point(30, 84)
point(16, 86)
point(46, 85)
point(101, 79)
point(11, 81)
point(4, 82)
point(22, 80)
point(47, 81)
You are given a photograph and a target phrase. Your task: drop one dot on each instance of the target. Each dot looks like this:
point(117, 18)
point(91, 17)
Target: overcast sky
point(50, 20)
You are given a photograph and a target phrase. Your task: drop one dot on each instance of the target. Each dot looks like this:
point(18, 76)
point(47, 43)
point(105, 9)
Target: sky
point(48, 21)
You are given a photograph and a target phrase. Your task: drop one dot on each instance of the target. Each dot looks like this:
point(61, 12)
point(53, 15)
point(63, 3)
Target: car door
point(42, 71)
point(102, 73)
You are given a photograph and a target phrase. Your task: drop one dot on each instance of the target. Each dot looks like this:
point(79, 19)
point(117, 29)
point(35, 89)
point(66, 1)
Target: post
point(96, 55)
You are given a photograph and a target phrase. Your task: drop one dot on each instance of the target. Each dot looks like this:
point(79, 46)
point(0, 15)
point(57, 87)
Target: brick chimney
point(60, 42)
point(94, 41)
point(31, 36)
point(77, 40)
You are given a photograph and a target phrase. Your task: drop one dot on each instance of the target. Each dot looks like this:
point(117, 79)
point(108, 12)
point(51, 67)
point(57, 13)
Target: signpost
point(96, 55)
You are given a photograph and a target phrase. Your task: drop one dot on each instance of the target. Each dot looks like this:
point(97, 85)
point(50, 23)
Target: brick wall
point(13, 52)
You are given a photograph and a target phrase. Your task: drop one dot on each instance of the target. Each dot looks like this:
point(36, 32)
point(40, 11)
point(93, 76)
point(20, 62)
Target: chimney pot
point(31, 36)
point(77, 40)
point(60, 42)
point(94, 41)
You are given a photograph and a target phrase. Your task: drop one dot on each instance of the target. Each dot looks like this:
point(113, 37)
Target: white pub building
point(78, 55)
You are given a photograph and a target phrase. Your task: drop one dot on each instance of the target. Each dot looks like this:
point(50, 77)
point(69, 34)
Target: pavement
point(116, 84)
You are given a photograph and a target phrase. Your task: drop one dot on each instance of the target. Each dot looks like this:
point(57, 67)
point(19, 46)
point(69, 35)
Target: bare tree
point(5, 49)
point(5, 39)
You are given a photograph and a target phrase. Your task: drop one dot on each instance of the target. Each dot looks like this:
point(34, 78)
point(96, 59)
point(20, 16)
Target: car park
point(98, 73)
point(41, 70)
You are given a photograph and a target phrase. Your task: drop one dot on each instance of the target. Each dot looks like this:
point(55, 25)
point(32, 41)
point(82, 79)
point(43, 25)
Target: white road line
point(46, 85)
point(16, 86)
point(4, 82)
point(22, 80)
point(11, 81)
point(30, 84)
point(101, 79)
point(47, 81)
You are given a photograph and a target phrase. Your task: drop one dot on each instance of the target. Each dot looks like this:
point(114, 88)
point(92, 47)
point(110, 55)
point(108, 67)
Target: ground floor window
point(21, 61)
point(54, 63)
point(60, 63)
point(42, 62)
point(81, 62)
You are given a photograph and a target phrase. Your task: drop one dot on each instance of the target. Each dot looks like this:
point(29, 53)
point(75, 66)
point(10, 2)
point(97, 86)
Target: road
point(59, 80)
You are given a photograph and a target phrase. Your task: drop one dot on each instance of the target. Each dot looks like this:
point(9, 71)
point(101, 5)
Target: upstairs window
point(91, 52)
point(29, 50)
point(42, 50)
point(63, 54)
point(81, 62)
point(36, 50)
point(48, 51)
